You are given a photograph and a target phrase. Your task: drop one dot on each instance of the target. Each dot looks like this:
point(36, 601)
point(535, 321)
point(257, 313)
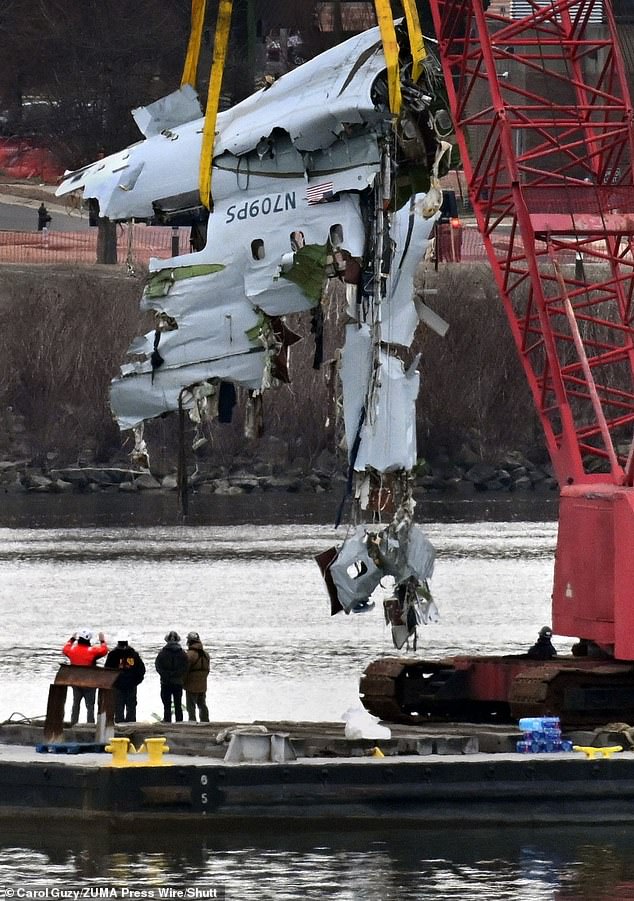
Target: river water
point(242, 574)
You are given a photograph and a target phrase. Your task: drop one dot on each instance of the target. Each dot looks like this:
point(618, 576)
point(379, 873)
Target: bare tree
point(79, 66)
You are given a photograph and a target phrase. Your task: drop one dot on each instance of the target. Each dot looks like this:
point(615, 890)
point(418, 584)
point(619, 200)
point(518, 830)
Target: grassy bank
point(64, 332)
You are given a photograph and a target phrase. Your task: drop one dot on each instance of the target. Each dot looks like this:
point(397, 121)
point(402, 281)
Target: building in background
point(520, 8)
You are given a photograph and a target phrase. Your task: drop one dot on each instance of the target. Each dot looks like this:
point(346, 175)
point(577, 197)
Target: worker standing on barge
point(81, 652)
point(195, 683)
point(171, 665)
point(127, 661)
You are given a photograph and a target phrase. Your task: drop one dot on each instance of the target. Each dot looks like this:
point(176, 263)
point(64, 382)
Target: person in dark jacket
point(171, 664)
point(543, 649)
point(131, 673)
point(195, 683)
point(43, 217)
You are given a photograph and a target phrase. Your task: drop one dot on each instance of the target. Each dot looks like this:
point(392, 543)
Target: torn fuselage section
point(314, 181)
point(379, 402)
point(379, 390)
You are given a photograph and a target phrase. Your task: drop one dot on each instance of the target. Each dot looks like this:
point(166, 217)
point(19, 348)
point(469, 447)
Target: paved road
point(22, 216)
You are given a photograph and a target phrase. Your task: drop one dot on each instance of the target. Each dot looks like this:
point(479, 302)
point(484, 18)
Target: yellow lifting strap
point(221, 42)
point(390, 46)
point(416, 41)
point(195, 39)
point(390, 49)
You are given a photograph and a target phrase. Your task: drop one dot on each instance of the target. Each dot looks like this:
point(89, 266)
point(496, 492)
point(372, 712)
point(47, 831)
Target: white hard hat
point(86, 634)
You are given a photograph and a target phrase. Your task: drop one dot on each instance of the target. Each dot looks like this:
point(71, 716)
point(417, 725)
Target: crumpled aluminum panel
point(354, 572)
point(410, 233)
point(168, 112)
point(313, 104)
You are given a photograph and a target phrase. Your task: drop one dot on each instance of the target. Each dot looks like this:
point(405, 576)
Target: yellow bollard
point(592, 753)
point(155, 748)
point(118, 747)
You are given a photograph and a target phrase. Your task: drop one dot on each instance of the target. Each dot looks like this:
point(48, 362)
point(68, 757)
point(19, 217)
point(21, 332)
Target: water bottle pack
point(542, 735)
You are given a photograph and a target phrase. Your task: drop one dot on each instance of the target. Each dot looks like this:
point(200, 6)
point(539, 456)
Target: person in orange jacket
point(81, 652)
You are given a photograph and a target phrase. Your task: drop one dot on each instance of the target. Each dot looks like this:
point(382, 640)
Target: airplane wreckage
point(330, 173)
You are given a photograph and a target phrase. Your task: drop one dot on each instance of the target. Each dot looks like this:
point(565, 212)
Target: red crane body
point(545, 129)
point(544, 124)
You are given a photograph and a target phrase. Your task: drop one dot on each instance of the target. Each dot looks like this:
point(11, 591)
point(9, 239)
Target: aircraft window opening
point(243, 173)
point(297, 241)
point(356, 569)
point(336, 235)
point(257, 249)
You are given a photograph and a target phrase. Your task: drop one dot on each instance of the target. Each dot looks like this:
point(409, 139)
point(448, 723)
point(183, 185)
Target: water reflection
point(408, 865)
point(247, 541)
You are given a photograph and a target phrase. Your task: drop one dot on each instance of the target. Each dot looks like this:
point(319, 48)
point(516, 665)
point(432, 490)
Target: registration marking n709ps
point(262, 206)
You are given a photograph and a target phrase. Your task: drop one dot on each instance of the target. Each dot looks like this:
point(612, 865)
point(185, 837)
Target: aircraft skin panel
point(169, 167)
point(315, 101)
point(139, 391)
point(400, 319)
point(387, 432)
point(168, 112)
point(388, 435)
point(355, 372)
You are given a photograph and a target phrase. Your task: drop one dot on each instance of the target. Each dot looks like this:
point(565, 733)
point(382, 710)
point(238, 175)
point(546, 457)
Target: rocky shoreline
point(514, 472)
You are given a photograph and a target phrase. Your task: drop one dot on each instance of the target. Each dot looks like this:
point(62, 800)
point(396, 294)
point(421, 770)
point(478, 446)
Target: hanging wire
point(183, 492)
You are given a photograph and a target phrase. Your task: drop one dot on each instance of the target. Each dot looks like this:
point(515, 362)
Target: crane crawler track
point(581, 691)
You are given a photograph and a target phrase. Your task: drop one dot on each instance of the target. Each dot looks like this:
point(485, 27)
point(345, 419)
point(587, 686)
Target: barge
point(427, 776)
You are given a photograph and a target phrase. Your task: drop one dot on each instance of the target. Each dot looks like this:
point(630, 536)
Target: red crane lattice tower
point(543, 120)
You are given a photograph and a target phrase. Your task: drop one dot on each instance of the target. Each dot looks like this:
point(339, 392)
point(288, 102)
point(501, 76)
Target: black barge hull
point(209, 795)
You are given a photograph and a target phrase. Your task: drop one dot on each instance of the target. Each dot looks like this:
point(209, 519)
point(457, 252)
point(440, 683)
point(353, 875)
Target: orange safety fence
point(135, 244)
point(463, 243)
point(472, 245)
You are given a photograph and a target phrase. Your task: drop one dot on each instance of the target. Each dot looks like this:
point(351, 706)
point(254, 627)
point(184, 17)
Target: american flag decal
point(317, 193)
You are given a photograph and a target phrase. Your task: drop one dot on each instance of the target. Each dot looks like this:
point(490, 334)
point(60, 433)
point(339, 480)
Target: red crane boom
point(543, 119)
